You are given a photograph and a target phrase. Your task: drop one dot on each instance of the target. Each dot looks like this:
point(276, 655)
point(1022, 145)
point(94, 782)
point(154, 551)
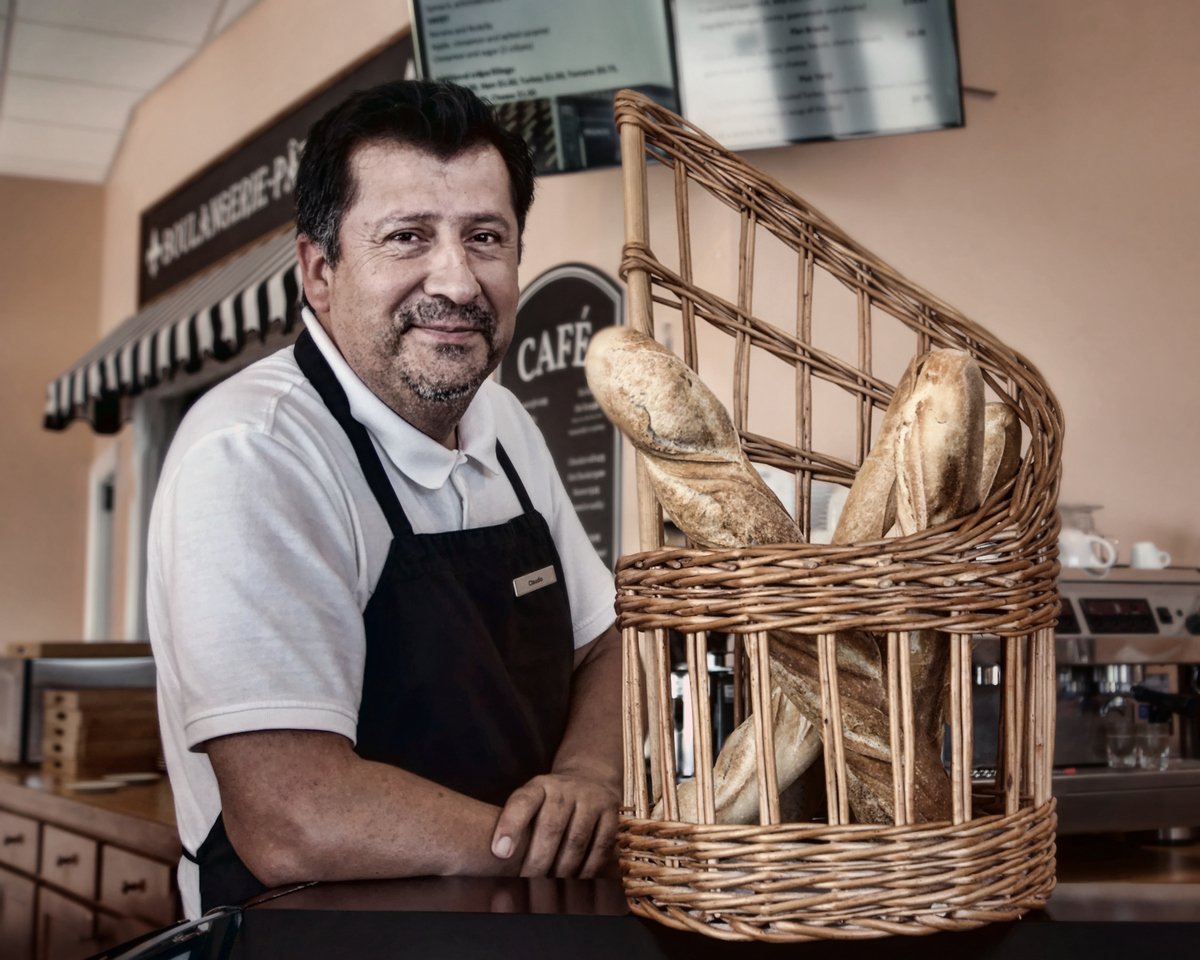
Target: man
point(384, 642)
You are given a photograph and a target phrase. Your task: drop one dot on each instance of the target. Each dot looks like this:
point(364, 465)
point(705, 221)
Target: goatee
point(452, 382)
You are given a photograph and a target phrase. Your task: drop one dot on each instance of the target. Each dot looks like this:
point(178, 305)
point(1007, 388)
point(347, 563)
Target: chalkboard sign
point(556, 317)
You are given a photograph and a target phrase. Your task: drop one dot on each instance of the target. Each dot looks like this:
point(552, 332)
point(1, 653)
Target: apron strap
point(514, 478)
point(317, 369)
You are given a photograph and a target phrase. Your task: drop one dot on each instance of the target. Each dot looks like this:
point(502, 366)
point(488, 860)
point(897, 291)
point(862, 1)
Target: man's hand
point(573, 820)
point(567, 819)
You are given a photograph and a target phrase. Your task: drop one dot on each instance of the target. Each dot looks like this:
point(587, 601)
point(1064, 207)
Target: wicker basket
point(994, 572)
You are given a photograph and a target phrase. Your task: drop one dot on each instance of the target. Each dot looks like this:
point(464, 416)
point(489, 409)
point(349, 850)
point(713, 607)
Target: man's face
point(423, 300)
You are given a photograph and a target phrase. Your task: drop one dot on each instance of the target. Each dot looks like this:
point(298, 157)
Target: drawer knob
point(14, 838)
point(67, 861)
point(139, 887)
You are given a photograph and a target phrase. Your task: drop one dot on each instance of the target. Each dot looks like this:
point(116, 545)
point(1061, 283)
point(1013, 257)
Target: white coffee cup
point(1085, 550)
point(1146, 556)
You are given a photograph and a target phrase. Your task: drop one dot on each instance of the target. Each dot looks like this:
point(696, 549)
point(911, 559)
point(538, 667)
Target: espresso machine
point(1128, 654)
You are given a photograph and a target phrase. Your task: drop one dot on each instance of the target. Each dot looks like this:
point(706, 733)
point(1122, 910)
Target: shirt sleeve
point(254, 589)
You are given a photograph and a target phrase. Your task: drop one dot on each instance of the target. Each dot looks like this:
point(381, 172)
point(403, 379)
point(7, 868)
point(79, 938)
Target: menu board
point(557, 315)
point(759, 73)
point(551, 66)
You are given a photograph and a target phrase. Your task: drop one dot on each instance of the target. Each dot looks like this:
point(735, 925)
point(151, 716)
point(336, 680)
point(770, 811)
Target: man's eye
point(404, 236)
point(486, 238)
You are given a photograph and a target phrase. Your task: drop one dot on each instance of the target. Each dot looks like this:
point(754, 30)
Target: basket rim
point(849, 832)
point(1004, 868)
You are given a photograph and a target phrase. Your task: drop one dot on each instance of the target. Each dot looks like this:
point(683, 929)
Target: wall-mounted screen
point(751, 73)
point(551, 66)
point(760, 73)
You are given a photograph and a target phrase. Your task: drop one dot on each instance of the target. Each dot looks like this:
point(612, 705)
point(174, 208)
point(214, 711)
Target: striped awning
point(206, 319)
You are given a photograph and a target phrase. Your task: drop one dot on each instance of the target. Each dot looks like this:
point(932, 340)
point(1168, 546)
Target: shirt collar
point(418, 456)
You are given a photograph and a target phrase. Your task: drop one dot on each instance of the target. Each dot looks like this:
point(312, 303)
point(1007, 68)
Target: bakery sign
point(248, 194)
point(556, 317)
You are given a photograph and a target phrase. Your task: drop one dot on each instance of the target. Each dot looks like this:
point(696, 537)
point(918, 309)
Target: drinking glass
point(1119, 742)
point(1153, 745)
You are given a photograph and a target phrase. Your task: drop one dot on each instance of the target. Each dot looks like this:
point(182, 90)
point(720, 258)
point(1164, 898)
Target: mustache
point(439, 312)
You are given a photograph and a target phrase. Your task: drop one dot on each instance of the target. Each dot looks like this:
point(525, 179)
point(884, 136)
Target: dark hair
point(440, 118)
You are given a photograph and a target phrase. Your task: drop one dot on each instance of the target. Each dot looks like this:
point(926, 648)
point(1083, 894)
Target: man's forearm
point(301, 805)
point(591, 745)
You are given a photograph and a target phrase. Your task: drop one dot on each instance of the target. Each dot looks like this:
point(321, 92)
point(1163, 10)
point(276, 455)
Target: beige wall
point(271, 58)
point(49, 297)
point(1065, 217)
point(267, 61)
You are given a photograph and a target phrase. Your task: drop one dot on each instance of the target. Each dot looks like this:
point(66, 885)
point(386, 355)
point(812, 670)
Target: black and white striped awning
point(206, 319)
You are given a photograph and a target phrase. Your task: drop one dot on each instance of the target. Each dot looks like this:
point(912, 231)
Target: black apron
point(465, 683)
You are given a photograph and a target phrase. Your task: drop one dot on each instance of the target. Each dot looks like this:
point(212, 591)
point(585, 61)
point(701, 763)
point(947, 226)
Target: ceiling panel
point(64, 54)
point(181, 21)
point(77, 68)
point(20, 138)
point(40, 168)
point(68, 102)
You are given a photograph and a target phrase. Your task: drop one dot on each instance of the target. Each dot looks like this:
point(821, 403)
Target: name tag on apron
point(527, 583)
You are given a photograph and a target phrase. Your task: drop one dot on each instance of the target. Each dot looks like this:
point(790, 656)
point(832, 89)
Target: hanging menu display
point(551, 66)
point(760, 73)
point(556, 318)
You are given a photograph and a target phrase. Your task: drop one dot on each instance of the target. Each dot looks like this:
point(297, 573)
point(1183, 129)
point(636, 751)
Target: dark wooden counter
point(474, 919)
point(139, 817)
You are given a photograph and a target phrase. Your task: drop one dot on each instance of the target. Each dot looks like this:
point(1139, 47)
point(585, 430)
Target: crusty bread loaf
point(870, 509)
point(939, 443)
point(735, 775)
point(862, 687)
point(1001, 448)
point(923, 469)
point(701, 477)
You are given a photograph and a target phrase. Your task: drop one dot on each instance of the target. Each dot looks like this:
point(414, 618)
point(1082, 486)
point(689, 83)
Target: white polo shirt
point(266, 543)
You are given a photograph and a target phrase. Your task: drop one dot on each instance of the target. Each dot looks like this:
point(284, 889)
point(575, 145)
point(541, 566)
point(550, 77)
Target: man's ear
point(314, 270)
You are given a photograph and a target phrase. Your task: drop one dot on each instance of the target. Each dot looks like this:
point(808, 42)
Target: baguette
point(693, 457)
point(926, 462)
point(939, 443)
point(870, 509)
point(735, 775)
point(1001, 448)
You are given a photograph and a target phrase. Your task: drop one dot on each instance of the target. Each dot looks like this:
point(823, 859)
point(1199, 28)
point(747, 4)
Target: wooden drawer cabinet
point(18, 842)
point(66, 930)
point(137, 887)
point(80, 874)
point(69, 861)
point(16, 916)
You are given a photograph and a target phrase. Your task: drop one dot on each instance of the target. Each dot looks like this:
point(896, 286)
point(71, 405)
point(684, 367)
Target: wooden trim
point(39, 649)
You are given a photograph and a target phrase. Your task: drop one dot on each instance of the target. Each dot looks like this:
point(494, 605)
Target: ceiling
point(71, 72)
